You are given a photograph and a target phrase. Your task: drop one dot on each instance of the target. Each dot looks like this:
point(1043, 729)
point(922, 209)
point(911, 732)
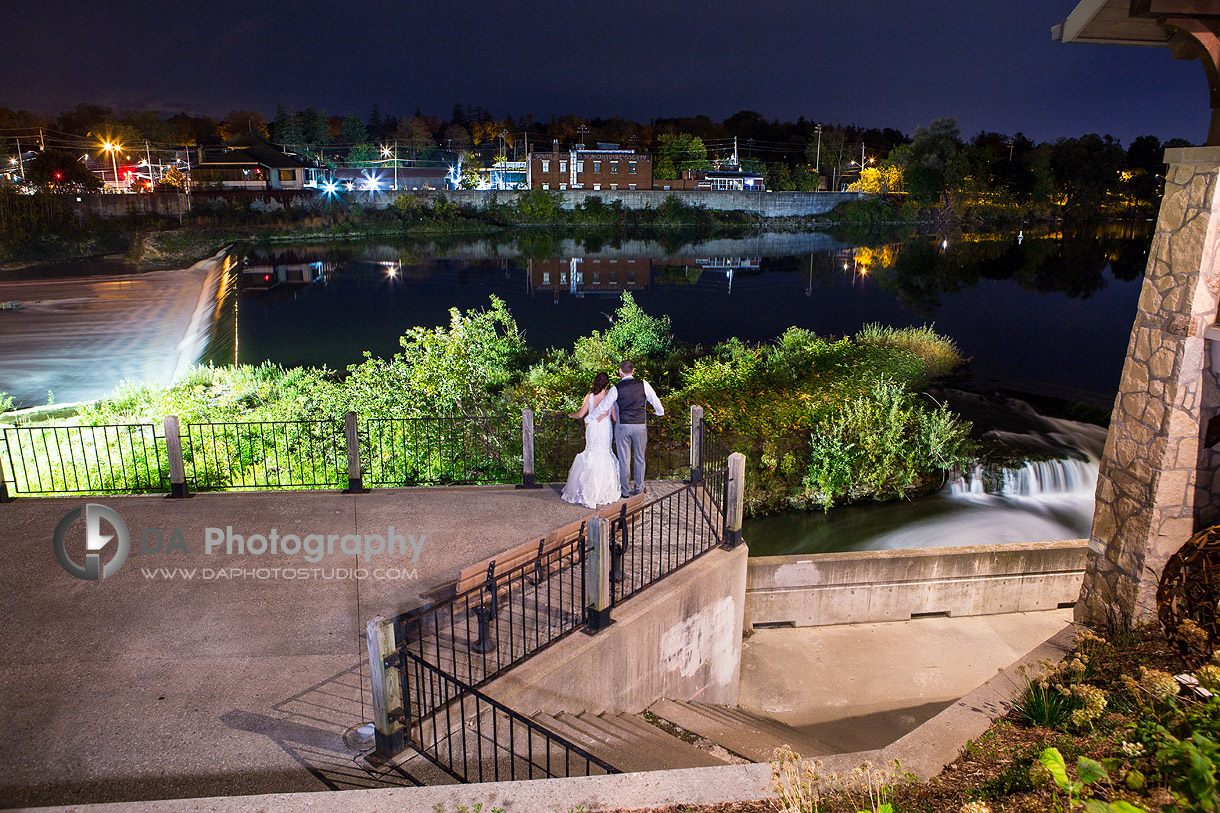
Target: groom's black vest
point(631, 401)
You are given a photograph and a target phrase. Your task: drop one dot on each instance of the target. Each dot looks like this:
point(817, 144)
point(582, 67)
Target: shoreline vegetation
point(822, 421)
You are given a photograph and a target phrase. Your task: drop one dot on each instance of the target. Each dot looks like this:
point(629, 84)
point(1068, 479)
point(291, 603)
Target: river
point(1044, 312)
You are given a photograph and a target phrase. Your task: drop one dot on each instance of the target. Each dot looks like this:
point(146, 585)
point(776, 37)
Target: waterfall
point(1067, 476)
point(210, 335)
point(1040, 478)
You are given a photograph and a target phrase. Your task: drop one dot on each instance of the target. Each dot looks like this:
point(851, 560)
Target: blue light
point(372, 182)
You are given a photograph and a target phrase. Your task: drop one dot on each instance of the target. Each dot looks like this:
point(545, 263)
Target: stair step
point(737, 730)
point(619, 741)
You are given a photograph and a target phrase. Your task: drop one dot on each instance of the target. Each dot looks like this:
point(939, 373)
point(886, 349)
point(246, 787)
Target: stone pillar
point(1158, 479)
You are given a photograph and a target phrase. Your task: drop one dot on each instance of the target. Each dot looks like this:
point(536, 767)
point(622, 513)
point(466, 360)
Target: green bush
point(880, 445)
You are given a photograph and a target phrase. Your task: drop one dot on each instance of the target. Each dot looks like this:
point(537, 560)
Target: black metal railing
point(476, 739)
point(666, 533)
point(111, 459)
point(264, 455)
point(558, 439)
point(441, 450)
point(482, 631)
point(448, 649)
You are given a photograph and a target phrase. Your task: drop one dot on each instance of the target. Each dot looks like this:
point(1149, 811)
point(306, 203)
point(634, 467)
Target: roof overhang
point(1110, 22)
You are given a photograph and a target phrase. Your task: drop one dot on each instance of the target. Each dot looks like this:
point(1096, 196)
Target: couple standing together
point(599, 476)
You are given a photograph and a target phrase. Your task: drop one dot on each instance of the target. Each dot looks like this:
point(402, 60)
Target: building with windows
point(254, 164)
point(605, 168)
point(729, 179)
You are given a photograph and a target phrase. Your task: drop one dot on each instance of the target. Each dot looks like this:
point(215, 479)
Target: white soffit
point(1108, 22)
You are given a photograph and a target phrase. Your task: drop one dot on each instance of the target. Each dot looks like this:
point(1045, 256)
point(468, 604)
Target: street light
point(112, 148)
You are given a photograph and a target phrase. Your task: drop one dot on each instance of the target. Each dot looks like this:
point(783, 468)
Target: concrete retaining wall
point(679, 639)
point(767, 204)
point(894, 585)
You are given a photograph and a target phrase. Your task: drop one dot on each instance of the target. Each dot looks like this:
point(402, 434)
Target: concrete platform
point(859, 687)
point(146, 687)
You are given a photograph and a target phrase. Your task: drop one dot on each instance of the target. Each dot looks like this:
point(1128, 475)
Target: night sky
point(990, 64)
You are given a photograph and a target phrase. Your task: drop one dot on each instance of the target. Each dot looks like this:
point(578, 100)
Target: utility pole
point(20, 162)
point(817, 164)
point(42, 144)
point(736, 162)
point(396, 164)
point(148, 161)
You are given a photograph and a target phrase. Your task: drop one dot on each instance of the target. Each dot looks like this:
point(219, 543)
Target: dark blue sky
point(990, 64)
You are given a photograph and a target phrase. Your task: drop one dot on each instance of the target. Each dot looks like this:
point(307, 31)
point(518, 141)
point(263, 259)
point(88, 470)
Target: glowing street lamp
point(113, 148)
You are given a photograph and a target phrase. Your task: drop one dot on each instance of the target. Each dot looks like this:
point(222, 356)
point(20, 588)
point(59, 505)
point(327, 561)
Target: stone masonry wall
point(1158, 482)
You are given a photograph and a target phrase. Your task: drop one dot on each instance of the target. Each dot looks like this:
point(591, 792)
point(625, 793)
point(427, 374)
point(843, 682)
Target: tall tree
point(314, 127)
point(240, 122)
point(353, 130)
point(59, 171)
point(286, 128)
point(686, 152)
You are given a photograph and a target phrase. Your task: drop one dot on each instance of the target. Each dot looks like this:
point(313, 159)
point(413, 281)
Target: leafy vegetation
point(822, 421)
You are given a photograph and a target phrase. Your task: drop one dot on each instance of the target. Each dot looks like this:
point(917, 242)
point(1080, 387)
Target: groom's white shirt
point(612, 396)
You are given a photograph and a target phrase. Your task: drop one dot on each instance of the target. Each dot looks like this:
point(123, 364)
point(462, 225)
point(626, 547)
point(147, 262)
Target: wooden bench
point(561, 539)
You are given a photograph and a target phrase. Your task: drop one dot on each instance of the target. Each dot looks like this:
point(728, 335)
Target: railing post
point(173, 449)
point(388, 709)
point(527, 449)
point(696, 443)
point(597, 575)
point(352, 438)
point(734, 508)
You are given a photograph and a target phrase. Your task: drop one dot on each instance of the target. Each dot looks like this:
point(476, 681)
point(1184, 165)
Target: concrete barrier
point(895, 585)
point(169, 204)
point(679, 639)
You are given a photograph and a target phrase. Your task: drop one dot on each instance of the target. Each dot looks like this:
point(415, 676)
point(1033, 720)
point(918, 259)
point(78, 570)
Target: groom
point(631, 434)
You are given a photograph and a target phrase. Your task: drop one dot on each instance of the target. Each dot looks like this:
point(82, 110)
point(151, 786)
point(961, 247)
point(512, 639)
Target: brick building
point(606, 167)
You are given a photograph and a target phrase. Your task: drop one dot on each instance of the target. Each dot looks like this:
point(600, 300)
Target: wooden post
point(597, 575)
point(735, 506)
point(527, 449)
point(177, 468)
point(389, 733)
point(354, 483)
point(696, 443)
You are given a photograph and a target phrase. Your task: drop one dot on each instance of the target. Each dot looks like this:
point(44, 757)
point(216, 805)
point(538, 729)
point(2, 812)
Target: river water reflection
point(1049, 313)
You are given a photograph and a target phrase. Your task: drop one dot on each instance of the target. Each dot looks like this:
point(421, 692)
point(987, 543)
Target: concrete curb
point(924, 752)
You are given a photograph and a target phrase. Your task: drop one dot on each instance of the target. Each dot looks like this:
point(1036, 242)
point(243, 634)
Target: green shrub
point(880, 444)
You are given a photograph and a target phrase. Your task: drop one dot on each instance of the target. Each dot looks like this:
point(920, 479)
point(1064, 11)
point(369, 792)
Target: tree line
point(934, 166)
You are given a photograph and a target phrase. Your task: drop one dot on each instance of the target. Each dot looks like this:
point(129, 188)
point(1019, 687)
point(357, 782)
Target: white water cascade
point(1043, 500)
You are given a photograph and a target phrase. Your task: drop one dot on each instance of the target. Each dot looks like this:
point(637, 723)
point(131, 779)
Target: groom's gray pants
point(629, 437)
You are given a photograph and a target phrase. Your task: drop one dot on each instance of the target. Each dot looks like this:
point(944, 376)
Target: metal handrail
point(450, 715)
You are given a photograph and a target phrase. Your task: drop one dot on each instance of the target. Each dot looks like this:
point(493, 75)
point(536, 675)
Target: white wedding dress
point(593, 478)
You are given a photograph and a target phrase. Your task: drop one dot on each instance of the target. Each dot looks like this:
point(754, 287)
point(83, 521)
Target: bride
point(593, 479)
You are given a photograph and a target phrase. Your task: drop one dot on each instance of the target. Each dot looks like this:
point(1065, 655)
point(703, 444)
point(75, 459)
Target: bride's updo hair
point(600, 382)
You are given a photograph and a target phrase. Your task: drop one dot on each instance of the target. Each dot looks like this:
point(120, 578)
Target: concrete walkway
point(145, 687)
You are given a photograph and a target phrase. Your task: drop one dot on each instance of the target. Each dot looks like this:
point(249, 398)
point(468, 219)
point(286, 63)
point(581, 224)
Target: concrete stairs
point(739, 731)
point(627, 741)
